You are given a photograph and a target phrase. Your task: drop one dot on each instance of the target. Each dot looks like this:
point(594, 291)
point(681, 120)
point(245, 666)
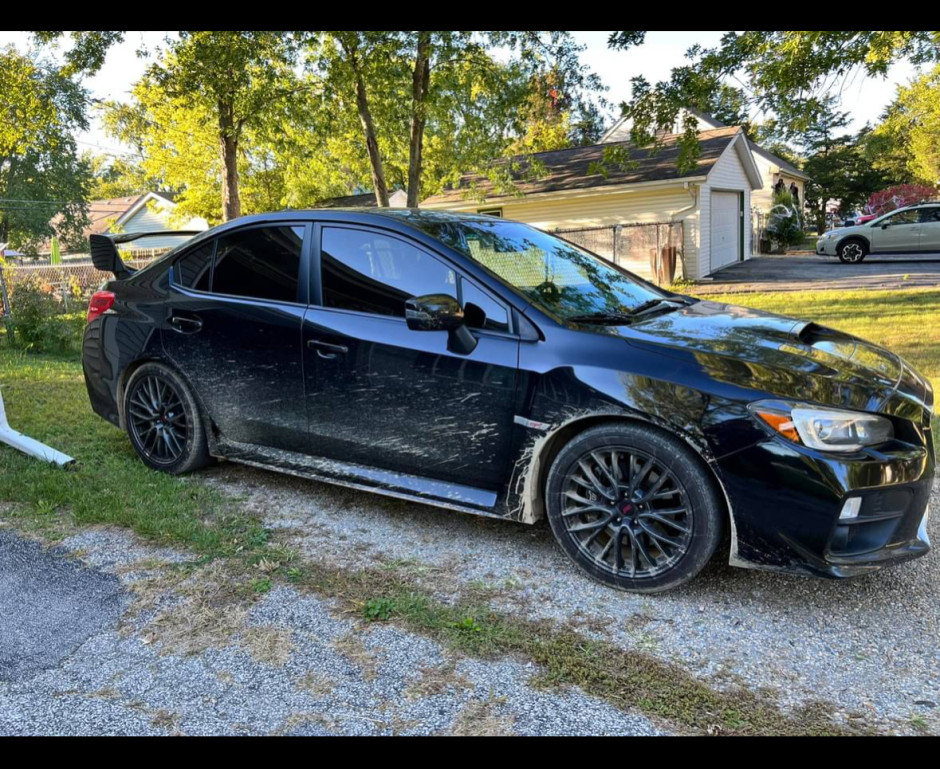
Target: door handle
point(185, 325)
point(327, 350)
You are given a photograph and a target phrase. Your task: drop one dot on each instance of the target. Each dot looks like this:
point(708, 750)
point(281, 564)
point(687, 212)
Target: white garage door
point(726, 229)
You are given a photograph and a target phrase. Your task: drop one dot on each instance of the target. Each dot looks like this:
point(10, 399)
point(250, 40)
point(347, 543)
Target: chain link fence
point(652, 250)
point(72, 282)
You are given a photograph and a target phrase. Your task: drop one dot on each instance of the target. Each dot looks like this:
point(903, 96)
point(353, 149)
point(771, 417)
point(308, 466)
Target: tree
point(42, 177)
point(908, 139)
point(409, 88)
point(783, 73)
point(237, 80)
point(115, 177)
point(899, 196)
point(836, 164)
point(88, 51)
point(784, 222)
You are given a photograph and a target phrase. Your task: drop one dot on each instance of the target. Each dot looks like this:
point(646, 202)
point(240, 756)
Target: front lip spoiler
point(837, 567)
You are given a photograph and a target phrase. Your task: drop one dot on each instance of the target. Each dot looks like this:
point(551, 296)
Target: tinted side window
point(930, 215)
point(905, 217)
point(262, 263)
point(494, 315)
point(372, 272)
point(193, 270)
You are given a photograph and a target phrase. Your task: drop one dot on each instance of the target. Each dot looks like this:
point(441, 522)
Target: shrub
point(784, 223)
point(899, 196)
point(38, 321)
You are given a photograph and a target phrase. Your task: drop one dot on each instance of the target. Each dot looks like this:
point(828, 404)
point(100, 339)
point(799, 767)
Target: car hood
point(838, 232)
point(787, 358)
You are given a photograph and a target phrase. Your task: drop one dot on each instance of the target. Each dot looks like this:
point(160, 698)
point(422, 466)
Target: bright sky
point(864, 98)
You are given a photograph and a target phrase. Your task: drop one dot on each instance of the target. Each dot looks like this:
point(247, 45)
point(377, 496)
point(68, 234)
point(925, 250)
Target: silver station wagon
point(910, 230)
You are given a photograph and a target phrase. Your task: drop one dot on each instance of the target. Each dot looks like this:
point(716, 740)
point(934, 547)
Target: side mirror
point(433, 312)
point(441, 312)
point(885, 225)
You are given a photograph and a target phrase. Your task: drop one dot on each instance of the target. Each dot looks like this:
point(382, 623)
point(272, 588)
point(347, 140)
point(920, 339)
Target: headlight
point(822, 428)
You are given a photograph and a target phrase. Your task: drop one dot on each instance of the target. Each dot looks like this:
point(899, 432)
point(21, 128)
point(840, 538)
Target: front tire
point(163, 420)
point(633, 507)
point(852, 251)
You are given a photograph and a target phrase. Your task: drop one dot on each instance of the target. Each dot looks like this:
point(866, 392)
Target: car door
point(383, 395)
point(899, 233)
point(233, 325)
point(930, 230)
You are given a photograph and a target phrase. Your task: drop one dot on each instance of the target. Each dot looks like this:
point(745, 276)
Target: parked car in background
point(866, 218)
point(484, 366)
point(910, 230)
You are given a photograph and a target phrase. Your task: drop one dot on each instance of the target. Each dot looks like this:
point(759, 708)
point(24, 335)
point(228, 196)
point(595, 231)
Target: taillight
point(101, 302)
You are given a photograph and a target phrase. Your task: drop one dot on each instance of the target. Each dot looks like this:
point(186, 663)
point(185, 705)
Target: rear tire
point(852, 251)
point(634, 507)
point(163, 420)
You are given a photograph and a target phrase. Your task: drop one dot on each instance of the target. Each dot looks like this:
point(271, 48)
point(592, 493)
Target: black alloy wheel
point(634, 507)
point(163, 420)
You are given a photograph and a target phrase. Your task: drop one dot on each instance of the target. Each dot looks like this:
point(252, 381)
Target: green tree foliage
point(87, 53)
point(116, 177)
point(229, 148)
point(784, 73)
point(236, 81)
point(429, 105)
point(263, 120)
point(907, 143)
point(837, 165)
point(42, 177)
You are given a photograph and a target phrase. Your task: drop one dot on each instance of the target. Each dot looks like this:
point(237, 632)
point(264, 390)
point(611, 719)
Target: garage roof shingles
point(569, 169)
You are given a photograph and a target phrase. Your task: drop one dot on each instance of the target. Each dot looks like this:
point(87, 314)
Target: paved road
point(49, 606)
point(795, 272)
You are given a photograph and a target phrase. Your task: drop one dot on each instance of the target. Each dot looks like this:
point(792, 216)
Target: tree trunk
point(368, 127)
point(228, 147)
point(420, 83)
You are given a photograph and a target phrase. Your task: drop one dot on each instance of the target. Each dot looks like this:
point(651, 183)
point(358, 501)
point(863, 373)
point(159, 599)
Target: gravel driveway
point(123, 647)
point(292, 664)
point(867, 645)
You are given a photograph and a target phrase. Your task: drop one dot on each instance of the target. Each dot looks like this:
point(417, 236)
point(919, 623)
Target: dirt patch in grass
point(316, 683)
point(353, 649)
point(481, 718)
point(269, 644)
point(435, 680)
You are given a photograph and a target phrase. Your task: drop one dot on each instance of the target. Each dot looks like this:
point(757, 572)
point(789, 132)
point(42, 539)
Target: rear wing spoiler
point(104, 252)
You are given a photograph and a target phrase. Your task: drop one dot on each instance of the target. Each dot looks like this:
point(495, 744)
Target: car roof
point(404, 220)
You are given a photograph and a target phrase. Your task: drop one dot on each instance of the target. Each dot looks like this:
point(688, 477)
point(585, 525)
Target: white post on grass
point(27, 445)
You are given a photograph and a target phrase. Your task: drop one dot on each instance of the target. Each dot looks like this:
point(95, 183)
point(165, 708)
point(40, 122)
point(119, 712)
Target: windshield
point(557, 276)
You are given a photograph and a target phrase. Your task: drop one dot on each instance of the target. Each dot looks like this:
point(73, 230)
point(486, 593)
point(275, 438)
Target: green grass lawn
point(45, 398)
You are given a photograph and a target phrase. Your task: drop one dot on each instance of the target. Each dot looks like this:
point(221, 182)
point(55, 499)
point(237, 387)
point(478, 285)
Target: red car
point(865, 218)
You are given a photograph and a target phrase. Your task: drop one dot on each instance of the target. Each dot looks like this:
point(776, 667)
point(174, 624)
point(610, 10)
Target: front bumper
point(786, 503)
point(826, 246)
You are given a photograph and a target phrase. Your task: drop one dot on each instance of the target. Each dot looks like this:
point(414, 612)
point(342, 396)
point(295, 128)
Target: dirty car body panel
point(333, 384)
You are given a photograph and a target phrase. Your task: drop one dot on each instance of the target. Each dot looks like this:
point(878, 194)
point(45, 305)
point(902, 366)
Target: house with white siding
point(145, 212)
point(593, 187)
point(772, 168)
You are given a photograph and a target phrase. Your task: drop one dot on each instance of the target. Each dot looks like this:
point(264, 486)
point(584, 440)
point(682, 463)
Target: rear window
point(261, 263)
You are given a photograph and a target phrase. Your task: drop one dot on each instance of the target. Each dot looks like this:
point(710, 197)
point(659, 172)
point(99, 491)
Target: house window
point(491, 212)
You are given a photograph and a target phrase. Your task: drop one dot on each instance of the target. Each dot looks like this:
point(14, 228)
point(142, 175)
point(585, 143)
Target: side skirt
point(411, 488)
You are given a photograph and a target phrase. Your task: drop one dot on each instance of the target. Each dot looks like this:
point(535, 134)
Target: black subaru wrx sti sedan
point(484, 366)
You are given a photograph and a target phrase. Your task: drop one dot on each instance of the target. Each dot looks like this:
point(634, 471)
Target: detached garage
point(628, 204)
